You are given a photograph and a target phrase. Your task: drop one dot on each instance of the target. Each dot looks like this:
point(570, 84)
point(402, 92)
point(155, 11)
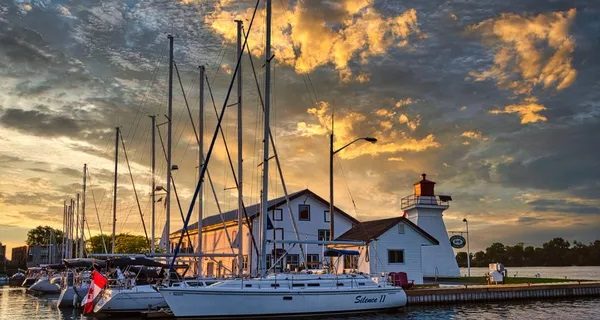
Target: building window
point(395, 256)
point(401, 228)
point(312, 261)
point(326, 216)
point(245, 263)
point(292, 260)
point(304, 212)
point(351, 262)
point(278, 215)
point(324, 235)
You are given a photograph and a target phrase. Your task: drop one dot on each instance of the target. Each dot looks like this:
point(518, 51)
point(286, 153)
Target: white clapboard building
point(394, 244)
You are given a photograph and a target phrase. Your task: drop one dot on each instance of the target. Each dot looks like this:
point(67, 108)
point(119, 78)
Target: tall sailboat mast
point(200, 164)
point(114, 224)
point(169, 141)
point(153, 187)
point(265, 174)
point(82, 235)
point(76, 237)
point(240, 186)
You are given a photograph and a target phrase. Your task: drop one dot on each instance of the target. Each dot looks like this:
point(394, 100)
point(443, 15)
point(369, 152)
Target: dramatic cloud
point(39, 122)
point(531, 52)
point(528, 110)
point(307, 35)
point(349, 125)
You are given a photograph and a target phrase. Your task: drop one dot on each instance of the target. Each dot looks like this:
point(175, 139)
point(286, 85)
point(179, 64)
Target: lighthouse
point(425, 209)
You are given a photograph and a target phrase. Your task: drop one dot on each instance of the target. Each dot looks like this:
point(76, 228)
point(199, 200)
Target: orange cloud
point(528, 110)
point(350, 125)
point(532, 52)
point(307, 35)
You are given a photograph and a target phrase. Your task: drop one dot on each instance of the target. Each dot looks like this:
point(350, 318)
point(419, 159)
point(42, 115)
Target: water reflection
point(16, 304)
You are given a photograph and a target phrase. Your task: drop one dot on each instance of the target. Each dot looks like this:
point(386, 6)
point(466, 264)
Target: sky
point(497, 101)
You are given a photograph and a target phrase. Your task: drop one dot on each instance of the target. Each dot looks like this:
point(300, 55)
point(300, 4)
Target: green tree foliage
point(44, 235)
point(556, 252)
point(124, 243)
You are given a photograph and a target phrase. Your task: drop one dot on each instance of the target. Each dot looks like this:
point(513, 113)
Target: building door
point(210, 269)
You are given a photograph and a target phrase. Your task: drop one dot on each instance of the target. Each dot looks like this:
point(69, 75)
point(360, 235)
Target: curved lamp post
point(332, 152)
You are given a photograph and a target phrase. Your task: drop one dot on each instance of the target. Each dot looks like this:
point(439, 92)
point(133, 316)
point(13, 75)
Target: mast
point(240, 186)
point(153, 191)
point(265, 175)
point(114, 224)
point(76, 237)
point(64, 240)
point(81, 247)
point(200, 164)
point(169, 141)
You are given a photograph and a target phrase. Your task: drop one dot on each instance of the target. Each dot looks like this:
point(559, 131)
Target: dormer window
point(304, 212)
point(401, 228)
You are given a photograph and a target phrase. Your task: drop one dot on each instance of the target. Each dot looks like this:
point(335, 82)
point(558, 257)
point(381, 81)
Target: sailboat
point(281, 294)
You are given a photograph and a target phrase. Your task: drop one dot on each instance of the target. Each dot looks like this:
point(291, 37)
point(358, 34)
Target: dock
point(474, 293)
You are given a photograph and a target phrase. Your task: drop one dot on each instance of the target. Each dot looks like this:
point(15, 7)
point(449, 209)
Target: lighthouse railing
point(413, 200)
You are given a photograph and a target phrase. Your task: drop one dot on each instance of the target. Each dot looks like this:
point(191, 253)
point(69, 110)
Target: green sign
point(457, 241)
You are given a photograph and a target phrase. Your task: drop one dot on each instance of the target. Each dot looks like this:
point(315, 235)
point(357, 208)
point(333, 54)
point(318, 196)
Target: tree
point(124, 243)
point(128, 243)
point(42, 235)
point(97, 243)
point(461, 259)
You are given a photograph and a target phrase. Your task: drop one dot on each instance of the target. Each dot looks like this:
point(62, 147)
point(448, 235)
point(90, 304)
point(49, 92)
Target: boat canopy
point(134, 261)
point(84, 263)
point(338, 252)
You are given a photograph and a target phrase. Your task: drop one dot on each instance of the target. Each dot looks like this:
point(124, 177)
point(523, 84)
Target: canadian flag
point(98, 283)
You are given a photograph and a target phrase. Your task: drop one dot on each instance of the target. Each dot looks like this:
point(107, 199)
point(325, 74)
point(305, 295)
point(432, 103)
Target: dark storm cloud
point(39, 122)
point(564, 206)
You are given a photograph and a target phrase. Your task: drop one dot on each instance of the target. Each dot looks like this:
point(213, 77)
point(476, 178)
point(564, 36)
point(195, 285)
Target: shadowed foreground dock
point(473, 293)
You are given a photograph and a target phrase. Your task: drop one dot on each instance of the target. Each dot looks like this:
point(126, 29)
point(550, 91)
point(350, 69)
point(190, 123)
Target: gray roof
point(370, 230)
point(253, 211)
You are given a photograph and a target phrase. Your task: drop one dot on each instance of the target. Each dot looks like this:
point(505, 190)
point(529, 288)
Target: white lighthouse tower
point(425, 209)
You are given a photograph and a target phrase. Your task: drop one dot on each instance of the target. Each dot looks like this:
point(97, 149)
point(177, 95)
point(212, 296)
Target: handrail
point(413, 200)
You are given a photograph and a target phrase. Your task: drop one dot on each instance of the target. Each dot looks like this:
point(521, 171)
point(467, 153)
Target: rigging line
point(212, 187)
point(174, 187)
point(339, 162)
point(281, 177)
point(138, 116)
point(211, 147)
point(137, 199)
point(234, 176)
point(97, 214)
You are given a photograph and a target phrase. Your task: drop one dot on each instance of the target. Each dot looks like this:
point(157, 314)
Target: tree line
point(556, 252)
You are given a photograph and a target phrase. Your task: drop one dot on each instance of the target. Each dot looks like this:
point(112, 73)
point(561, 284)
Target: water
point(577, 273)
point(16, 304)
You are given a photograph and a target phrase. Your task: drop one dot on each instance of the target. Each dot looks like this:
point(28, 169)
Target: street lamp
point(468, 251)
point(332, 152)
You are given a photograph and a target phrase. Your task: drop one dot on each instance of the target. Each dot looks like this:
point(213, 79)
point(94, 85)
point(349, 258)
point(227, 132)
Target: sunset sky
point(497, 101)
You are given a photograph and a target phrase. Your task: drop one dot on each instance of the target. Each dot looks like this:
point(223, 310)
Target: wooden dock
point(474, 293)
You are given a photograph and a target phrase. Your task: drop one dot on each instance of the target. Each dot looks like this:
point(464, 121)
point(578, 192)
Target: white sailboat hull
point(68, 296)
point(209, 302)
point(136, 299)
point(43, 285)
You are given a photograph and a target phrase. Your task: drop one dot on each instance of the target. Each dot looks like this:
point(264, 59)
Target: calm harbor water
point(578, 273)
point(16, 304)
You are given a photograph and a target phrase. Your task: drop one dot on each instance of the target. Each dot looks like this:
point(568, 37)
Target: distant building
point(2, 255)
point(43, 254)
point(19, 256)
point(425, 209)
